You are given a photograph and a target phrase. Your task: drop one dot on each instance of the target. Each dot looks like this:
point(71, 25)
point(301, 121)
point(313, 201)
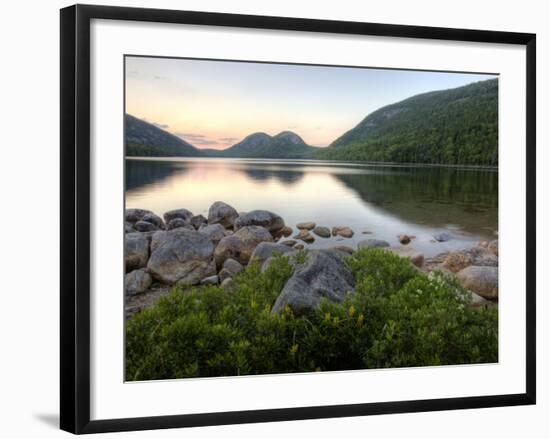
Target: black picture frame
point(75, 217)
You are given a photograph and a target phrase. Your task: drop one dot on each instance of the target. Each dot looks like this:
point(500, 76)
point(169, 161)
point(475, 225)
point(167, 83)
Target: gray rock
point(197, 221)
point(137, 282)
point(263, 218)
point(215, 232)
point(135, 215)
point(128, 227)
point(282, 233)
point(152, 218)
point(458, 260)
point(372, 243)
point(265, 250)
point(222, 213)
point(146, 235)
point(323, 232)
point(299, 246)
point(416, 257)
point(289, 242)
point(442, 237)
point(210, 280)
point(480, 280)
point(308, 225)
point(290, 256)
point(233, 266)
point(476, 301)
point(181, 256)
point(136, 251)
point(177, 223)
point(493, 247)
point(183, 214)
point(228, 284)
point(241, 244)
point(224, 274)
point(144, 226)
point(157, 238)
point(323, 275)
point(344, 248)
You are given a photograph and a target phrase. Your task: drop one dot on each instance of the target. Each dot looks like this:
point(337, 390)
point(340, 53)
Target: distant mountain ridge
point(455, 126)
point(146, 139)
point(286, 144)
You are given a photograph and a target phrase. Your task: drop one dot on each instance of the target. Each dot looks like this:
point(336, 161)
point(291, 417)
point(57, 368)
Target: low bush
point(397, 317)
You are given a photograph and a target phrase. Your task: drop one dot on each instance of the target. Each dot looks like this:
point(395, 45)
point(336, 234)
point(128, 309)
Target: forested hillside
point(457, 126)
point(145, 139)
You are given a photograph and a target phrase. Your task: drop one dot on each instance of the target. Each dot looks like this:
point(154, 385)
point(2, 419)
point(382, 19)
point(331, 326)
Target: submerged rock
point(308, 225)
point(222, 213)
point(181, 256)
point(305, 236)
point(241, 244)
point(264, 218)
point(323, 275)
point(323, 232)
point(480, 280)
point(404, 239)
point(343, 231)
point(442, 237)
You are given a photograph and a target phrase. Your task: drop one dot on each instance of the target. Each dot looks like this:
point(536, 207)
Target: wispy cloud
point(228, 140)
point(162, 126)
point(197, 139)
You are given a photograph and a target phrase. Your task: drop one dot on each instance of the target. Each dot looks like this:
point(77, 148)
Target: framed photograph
point(268, 219)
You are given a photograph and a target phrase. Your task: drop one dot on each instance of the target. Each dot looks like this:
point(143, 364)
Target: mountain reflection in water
point(384, 200)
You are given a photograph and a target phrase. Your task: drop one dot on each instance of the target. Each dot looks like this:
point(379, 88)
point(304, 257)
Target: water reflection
point(383, 200)
point(435, 196)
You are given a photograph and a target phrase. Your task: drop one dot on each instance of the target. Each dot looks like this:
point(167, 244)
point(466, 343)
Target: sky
point(215, 104)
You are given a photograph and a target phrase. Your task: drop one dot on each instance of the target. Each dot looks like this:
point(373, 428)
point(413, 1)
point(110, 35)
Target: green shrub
point(398, 317)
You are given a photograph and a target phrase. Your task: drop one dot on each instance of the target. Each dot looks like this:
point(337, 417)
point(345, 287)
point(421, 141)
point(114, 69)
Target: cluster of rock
point(476, 268)
point(186, 249)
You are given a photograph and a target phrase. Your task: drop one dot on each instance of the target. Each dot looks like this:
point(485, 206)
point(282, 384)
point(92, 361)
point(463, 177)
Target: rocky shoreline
point(186, 249)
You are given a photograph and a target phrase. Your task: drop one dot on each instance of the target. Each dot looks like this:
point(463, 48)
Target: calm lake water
point(383, 200)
